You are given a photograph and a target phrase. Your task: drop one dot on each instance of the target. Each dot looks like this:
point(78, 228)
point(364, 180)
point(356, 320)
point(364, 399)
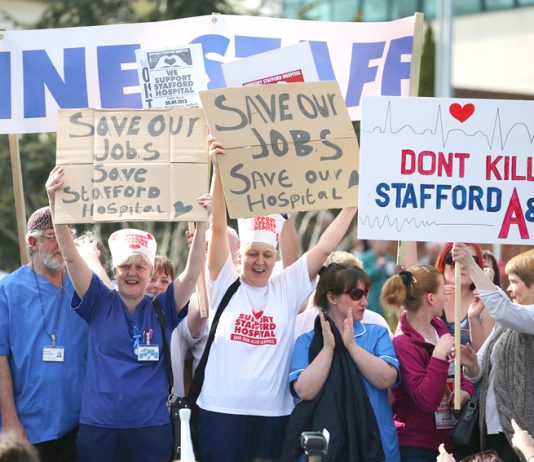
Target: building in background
point(493, 40)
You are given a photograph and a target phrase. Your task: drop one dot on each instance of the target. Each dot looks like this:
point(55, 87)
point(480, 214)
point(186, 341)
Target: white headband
point(128, 242)
point(264, 229)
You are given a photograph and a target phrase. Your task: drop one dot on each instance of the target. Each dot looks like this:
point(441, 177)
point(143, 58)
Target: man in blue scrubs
point(43, 348)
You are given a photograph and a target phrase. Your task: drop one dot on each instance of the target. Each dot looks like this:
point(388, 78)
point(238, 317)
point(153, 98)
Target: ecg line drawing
point(497, 131)
point(378, 222)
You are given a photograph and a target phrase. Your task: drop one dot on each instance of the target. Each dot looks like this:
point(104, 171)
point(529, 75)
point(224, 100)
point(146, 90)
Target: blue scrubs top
point(119, 391)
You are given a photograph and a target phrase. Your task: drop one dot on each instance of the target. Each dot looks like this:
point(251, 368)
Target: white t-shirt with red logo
point(249, 360)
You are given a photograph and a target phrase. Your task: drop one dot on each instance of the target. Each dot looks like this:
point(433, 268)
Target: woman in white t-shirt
point(245, 401)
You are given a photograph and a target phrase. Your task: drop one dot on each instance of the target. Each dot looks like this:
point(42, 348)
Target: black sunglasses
point(355, 293)
point(450, 261)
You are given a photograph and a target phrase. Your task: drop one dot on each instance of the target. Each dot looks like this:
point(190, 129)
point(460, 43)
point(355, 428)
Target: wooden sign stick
point(201, 285)
point(457, 334)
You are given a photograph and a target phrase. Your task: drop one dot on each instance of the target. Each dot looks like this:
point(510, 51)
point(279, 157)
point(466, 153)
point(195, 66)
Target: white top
point(247, 369)
point(306, 320)
point(510, 315)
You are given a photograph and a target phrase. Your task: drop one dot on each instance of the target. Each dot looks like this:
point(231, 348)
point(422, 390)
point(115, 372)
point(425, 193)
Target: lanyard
point(51, 334)
point(133, 330)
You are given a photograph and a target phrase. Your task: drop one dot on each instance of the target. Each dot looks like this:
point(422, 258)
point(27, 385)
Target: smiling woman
point(123, 408)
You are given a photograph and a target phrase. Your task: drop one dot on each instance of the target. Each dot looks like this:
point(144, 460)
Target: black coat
point(342, 407)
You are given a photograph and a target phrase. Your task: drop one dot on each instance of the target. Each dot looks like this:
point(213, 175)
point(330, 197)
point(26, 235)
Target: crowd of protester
point(295, 346)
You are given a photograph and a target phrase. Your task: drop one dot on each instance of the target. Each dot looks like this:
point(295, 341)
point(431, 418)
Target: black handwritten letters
point(289, 147)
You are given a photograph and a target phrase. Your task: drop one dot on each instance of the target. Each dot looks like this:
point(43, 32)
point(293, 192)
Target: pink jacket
point(423, 384)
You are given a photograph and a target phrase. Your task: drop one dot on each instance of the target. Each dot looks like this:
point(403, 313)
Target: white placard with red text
point(436, 169)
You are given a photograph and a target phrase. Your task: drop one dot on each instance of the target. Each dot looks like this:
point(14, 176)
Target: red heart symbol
point(135, 246)
point(462, 113)
point(257, 314)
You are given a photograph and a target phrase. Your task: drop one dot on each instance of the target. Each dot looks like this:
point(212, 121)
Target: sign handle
point(201, 284)
point(457, 334)
point(18, 193)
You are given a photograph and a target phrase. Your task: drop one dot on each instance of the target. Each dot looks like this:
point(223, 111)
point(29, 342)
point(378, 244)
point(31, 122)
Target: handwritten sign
point(288, 147)
point(131, 165)
point(289, 64)
point(171, 77)
point(436, 169)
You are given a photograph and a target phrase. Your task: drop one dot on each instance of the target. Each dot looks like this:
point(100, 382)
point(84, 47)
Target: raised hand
point(329, 341)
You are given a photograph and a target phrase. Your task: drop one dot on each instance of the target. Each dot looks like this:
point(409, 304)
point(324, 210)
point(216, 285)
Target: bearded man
point(43, 348)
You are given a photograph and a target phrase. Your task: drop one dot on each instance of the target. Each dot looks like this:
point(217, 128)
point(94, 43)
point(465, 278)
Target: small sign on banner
point(131, 165)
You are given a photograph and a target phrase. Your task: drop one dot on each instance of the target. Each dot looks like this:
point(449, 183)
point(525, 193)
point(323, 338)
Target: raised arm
point(460, 253)
point(185, 283)
point(78, 269)
point(329, 240)
point(289, 243)
point(218, 249)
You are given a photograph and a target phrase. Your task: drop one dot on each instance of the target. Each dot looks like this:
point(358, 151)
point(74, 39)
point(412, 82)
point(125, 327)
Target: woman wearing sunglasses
point(476, 323)
point(422, 403)
point(342, 370)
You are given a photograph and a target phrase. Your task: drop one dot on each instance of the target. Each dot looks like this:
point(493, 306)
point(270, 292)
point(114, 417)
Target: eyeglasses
point(450, 261)
point(356, 293)
point(50, 237)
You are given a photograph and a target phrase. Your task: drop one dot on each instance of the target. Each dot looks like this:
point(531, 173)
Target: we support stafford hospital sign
point(43, 70)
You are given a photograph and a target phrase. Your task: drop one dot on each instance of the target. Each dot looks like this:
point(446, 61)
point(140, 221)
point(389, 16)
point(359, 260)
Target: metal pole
point(442, 78)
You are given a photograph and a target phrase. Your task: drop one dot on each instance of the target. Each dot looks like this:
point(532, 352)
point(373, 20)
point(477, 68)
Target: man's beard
point(53, 263)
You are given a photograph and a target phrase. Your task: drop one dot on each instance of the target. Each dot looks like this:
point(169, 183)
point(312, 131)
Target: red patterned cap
point(40, 220)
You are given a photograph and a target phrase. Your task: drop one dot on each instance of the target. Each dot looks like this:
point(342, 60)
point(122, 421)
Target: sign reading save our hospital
point(447, 170)
point(289, 147)
point(131, 165)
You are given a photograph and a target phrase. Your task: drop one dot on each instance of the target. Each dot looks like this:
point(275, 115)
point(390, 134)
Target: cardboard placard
point(171, 77)
point(438, 169)
point(288, 147)
point(131, 165)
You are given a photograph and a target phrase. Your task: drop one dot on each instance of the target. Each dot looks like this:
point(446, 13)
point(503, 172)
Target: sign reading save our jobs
point(437, 169)
point(81, 67)
point(289, 147)
point(131, 165)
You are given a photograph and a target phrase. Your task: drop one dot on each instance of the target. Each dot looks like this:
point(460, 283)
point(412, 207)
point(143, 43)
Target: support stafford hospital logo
point(255, 328)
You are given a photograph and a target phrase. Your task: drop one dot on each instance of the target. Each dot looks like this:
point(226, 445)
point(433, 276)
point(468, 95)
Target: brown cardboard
point(131, 165)
point(289, 147)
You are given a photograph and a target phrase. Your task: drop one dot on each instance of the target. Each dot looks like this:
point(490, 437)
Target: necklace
point(52, 335)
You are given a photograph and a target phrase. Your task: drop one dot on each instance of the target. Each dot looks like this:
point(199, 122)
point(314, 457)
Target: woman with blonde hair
point(422, 403)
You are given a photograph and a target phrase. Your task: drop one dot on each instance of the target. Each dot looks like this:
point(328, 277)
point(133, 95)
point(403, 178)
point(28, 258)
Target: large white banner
point(43, 70)
point(436, 169)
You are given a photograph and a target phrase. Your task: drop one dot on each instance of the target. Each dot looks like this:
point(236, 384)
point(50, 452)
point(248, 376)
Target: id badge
point(54, 354)
point(148, 353)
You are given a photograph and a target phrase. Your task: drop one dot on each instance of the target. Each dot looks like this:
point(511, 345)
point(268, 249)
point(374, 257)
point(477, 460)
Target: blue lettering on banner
point(321, 57)
point(39, 72)
point(360, 72)
point(213, 43)
point(394, 69)
point(5, 85)
point(113, 79)
point(246, 46)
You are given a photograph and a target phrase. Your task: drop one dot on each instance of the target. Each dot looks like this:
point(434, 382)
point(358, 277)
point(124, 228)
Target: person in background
point(503, 365)
point(43, 347)
point(491, 267)
point(124, 416)
point(379, 265)
point(476, 324)
point(162, 276)
point(341, 295)
point(422, 403)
